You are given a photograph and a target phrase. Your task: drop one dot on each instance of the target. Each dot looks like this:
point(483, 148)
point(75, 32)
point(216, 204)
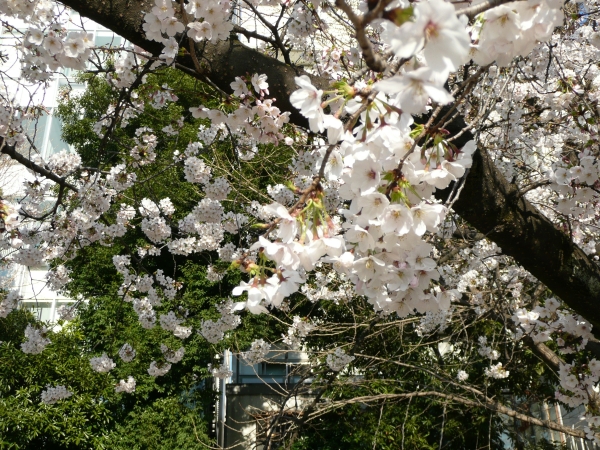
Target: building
point(256, 396)
point(45, 134)
point(535, 435)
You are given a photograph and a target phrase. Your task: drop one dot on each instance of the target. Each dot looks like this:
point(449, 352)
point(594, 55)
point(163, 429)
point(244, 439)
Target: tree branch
point(11, 151)
point(487, 403)
point(472, 11)
point(220, 62)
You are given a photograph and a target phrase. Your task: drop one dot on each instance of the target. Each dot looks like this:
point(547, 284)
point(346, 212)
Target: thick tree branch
point(472, 11)
point(220, 62)
point(11, 151)
point(544, 353)
point(497, 209)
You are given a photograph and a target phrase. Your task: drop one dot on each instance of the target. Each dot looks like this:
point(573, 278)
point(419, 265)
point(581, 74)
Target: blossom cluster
point(58, 277)
point(51, 395)
point(338, 360)
point(214, 331)
point(66, 312)
point(222, 371)
point(579, 379)
point(172, 356)
point(461, 375)
point(207, 21)
point(257, 353)
point(546, 322)
point(126, 386)
point(127, 353)
point(9, 303)
point(297, 332)
point(170, 322)
point(158, 369)
point(380, 239)
point(36, 340)
point(102, 363)
point(485, 350)
point(496, 371)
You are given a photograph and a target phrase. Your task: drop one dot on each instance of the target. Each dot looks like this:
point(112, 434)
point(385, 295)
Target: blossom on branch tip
point(259, 82)
point(413, 89)
point(126, 386)
point(102, 363)
point(307, 99)
point(200, 31)
point(435, 28)
point(51, 395)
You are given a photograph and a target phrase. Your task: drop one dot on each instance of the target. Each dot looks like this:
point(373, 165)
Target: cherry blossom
point(414, 88)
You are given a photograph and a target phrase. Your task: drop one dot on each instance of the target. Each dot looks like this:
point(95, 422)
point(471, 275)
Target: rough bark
point(220, 62)
point(494, 206)
point(488, 201)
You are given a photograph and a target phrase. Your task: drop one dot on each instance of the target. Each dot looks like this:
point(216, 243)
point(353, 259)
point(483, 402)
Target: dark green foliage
point(81, 421)
point(167, 412)
point(165, 424)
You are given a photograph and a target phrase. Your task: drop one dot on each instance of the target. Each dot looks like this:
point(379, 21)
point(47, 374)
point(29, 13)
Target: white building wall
point(45, 133)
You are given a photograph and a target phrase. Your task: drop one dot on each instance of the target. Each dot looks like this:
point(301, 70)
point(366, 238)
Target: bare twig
point(472, 11)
